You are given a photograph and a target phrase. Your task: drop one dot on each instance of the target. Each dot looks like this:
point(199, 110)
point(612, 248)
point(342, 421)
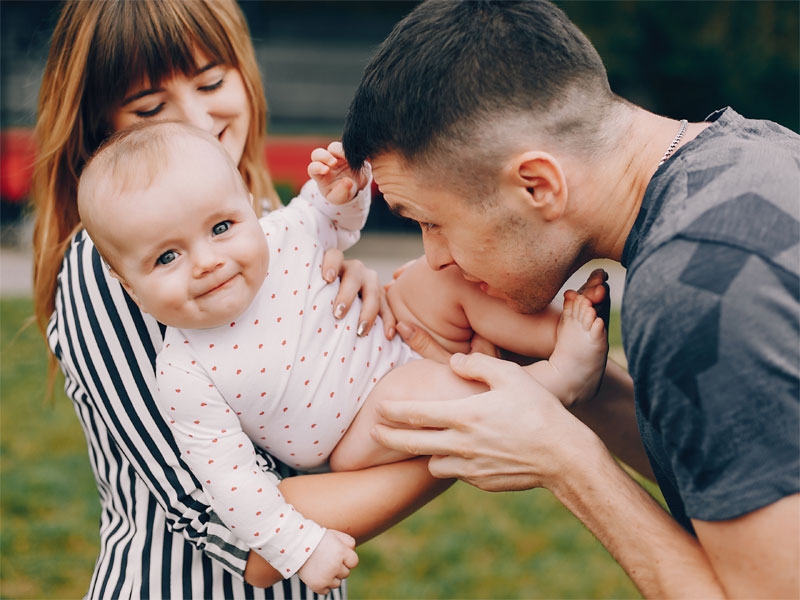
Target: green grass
point(465, 544)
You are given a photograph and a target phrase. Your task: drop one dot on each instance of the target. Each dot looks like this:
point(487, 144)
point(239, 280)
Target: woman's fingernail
point(330, 275)
point(338, 312)
point(362, 327)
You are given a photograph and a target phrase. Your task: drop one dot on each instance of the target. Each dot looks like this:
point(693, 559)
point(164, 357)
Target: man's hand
point(516, 436)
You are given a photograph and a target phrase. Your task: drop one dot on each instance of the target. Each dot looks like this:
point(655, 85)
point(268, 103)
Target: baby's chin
point(209, 317)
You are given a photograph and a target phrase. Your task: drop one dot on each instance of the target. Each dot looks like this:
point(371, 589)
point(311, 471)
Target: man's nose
point(436, 252)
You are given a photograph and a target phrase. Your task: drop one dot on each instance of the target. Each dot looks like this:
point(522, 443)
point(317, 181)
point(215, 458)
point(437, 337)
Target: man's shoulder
point(736, 184)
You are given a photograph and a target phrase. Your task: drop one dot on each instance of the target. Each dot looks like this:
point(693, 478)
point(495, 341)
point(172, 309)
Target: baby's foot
point(575, 369)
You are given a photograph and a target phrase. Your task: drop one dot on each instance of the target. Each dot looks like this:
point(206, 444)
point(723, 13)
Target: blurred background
point(678, 58)
point(681, 59)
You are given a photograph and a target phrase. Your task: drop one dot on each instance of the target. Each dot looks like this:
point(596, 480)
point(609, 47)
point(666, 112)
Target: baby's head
point(168, 211)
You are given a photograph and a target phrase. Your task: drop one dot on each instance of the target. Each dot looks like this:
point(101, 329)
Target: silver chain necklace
point(675, 142)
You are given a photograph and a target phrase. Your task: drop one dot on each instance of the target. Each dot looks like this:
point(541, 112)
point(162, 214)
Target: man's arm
point(518, 436)
point(758, 554)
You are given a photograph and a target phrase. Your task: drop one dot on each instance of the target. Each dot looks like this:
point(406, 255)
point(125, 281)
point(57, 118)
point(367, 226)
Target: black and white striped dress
point(158, 536)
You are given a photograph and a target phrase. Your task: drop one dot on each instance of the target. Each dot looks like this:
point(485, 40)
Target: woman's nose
point(195, 112)
point(436, 252)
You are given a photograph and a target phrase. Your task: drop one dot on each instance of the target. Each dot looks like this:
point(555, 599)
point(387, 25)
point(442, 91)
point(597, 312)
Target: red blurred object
point(287, 158)
point(17, 153)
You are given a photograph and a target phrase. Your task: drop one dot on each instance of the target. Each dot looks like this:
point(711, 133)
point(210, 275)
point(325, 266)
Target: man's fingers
point(482, 367)
point(434, 414)
point(421, 342)
point(417, 442)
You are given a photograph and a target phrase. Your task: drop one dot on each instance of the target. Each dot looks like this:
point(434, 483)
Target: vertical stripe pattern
point(158, 536)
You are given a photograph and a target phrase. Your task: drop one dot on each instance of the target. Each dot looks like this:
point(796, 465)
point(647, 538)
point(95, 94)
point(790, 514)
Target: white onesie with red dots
point(284, 374)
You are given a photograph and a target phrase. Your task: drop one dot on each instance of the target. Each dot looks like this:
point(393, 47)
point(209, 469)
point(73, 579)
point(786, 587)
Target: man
point(493, 126)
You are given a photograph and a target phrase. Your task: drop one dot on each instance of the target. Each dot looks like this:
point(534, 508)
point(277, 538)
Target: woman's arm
point(360, 503)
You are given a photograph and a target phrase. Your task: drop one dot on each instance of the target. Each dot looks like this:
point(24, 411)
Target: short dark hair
point(452, 65)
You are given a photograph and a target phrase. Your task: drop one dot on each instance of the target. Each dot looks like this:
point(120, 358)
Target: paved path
point(383, 252)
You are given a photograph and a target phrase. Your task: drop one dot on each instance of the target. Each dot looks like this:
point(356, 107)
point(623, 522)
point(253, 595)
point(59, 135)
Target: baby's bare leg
point(417, 380)
point(575, 368)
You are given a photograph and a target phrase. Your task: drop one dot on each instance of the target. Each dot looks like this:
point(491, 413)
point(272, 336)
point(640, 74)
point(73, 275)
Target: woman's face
point(214, 99)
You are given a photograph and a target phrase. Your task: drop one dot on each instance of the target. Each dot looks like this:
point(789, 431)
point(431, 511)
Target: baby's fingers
point(324, 156)
point(317, 169)
point(337, 150)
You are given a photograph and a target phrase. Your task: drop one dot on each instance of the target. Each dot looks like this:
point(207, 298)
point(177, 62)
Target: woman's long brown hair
point(98, 50)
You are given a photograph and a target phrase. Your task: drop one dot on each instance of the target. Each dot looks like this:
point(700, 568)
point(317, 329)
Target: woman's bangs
point(145, 42)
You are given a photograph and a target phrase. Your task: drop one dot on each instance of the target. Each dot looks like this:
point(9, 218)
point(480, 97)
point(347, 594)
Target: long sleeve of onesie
point(219, 453)
point(335, 225)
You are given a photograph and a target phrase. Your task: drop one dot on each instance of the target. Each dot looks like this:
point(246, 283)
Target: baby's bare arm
point(429, 299)
point(451, 309)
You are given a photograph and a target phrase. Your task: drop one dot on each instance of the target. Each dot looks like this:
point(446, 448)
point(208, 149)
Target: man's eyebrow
point(155, 90)
point(400, 209)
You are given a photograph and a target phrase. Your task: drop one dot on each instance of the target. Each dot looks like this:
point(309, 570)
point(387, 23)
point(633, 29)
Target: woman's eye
point(167, 257)
point(150, 113)
point(212, 86)
point(221, 227)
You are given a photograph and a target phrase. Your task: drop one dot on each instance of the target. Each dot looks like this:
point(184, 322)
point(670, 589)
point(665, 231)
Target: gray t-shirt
point(711, 319)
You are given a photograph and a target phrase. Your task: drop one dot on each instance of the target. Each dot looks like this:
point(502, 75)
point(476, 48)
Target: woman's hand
point(357, 280)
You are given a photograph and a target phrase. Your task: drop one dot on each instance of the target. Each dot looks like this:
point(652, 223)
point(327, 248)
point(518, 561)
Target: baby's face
point(192, 253)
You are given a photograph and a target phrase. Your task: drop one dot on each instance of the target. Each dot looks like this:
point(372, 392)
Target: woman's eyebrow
point(148, 91)
point(141, 94)
point(207, 67)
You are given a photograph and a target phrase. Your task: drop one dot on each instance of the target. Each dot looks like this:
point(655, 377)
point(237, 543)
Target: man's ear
point(544, 182)
point(125, 285)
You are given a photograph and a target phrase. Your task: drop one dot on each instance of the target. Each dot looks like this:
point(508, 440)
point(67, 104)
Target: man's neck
point(612, 189)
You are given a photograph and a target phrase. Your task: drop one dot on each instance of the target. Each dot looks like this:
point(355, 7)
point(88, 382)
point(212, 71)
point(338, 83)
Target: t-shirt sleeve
point(713, 346)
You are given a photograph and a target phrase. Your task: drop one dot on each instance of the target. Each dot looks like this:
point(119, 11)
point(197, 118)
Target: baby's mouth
point(217, 287)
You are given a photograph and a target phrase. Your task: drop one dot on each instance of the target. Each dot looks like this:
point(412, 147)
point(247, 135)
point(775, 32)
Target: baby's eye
point(221, 227)
point(167, 257)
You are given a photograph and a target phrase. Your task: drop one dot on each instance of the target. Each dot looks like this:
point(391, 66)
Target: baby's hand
point(330, 562)
point(330, 170)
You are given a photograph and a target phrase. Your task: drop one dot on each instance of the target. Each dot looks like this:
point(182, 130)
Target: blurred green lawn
point(465, 544)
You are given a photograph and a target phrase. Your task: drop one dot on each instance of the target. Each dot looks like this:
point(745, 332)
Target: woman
point(112, 64)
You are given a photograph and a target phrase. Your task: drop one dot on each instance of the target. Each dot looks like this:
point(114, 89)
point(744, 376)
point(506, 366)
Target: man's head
point(169, 212)
point(452, 72)
point(467, 108)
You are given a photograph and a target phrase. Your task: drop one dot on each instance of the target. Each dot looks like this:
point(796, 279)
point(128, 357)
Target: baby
point(252, 353)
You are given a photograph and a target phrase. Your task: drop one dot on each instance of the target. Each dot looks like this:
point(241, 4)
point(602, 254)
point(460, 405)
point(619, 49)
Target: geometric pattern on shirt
point(762, 231)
